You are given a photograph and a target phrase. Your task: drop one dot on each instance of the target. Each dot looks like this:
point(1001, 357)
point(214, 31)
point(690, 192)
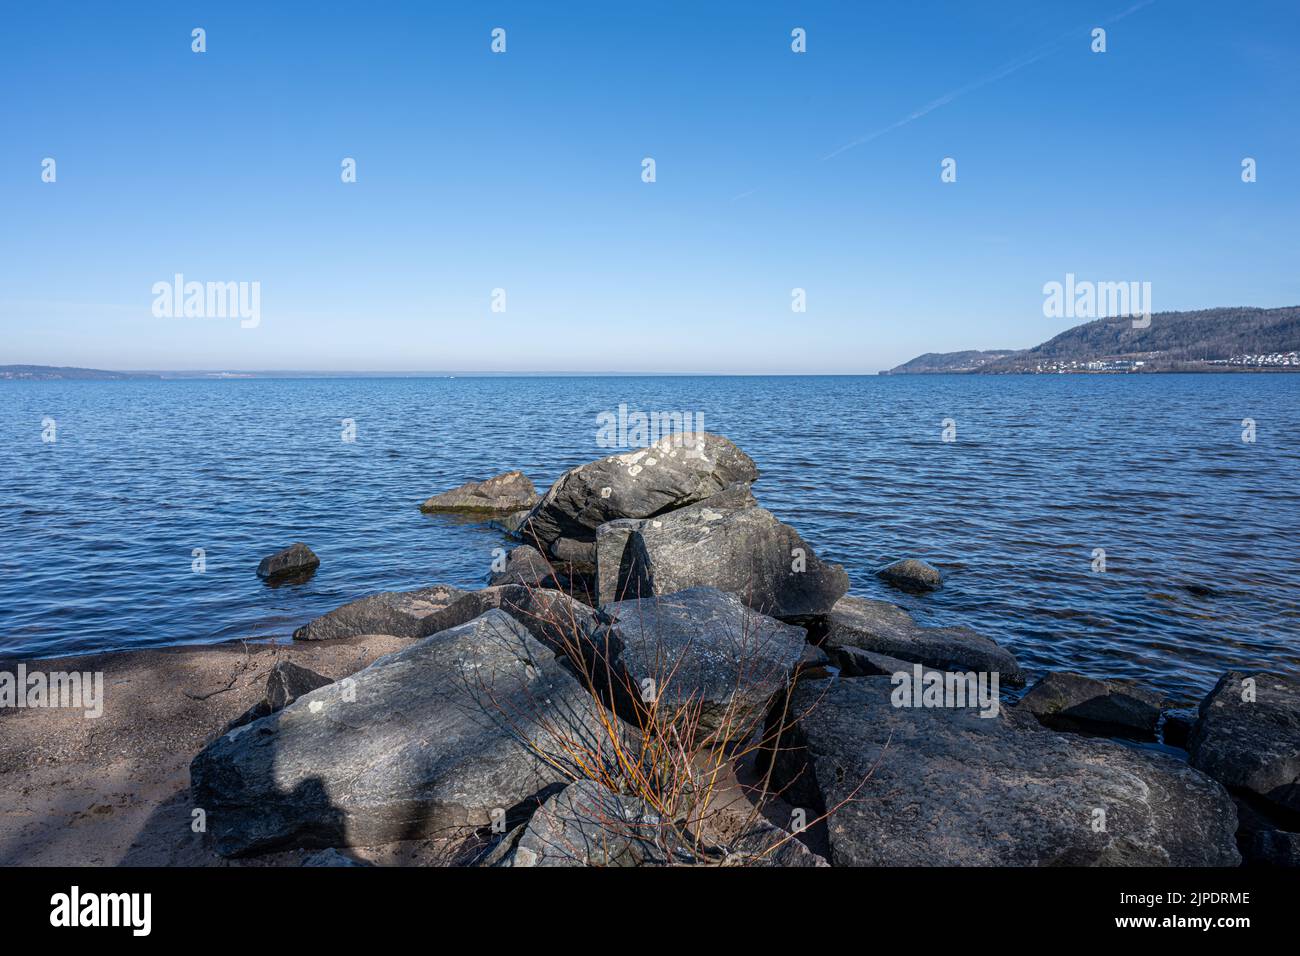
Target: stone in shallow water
point(673, 472)
point(297, 559)
point(1068, 701)
point(1247, 736)
point(440, 734)
point(506, 493)
point(884, 628)
point(947, 787)
point(912, 575)
point(510, 523)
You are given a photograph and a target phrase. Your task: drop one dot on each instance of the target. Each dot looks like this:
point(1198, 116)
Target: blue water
point(99, 527)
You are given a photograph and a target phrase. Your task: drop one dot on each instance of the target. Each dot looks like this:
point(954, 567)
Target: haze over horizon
point(522, 171)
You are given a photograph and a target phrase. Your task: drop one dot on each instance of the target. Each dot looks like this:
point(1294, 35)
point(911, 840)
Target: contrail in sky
point(1005, 70)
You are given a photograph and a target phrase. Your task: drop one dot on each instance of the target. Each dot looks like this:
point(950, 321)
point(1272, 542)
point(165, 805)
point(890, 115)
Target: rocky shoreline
point(657, 672)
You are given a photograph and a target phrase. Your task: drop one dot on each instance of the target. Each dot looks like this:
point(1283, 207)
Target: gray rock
point(887, 629)
point(1262, 841)
point(297, 559)
point(745, 551)
point(552, 617)
point(416, 613)
point(705, 647)
point(1252, 745)
point(947, 787)
point(500, 851)
point(636, 484)
point(855, 662)
point(615, 569)
point(437, 735)
point(285, 684)
point(524, 565)
point(507, 493)
point(813, 657)
point(911, 575)
point(586, 824)
point(1273, 848)
point(575, 557)
point(510, 523)
point(764, 844)
point(1067, 701)
point(331, 857)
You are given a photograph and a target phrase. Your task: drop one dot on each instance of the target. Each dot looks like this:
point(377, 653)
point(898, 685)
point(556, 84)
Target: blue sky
point(522, 171)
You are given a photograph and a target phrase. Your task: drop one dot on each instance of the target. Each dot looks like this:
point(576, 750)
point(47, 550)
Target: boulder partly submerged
point(701, 647)
point(675, 471)
point(911, 575)
point(503, 494)
point(1247, 736)
point(884, 628)
point(438, 735)
point(417, 613)
point(293, 561)
point(730, 544)
point(1067, 701)
point(945, 786)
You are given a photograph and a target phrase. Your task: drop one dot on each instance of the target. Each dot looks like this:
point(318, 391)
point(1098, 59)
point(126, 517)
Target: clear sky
point(523, 171)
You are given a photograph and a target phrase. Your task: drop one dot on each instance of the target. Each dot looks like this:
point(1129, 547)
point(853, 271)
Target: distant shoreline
point(111, 376)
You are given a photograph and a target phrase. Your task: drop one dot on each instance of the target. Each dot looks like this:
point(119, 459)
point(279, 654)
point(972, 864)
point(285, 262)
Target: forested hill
point(1229, 337)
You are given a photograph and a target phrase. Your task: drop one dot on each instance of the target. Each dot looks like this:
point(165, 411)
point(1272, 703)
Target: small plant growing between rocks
point(681, 770)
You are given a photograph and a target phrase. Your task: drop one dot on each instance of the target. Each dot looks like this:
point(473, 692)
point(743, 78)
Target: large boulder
point(745, 551)
point(416, 613)
point(293, 561)
point(884, 628)
point(911, 575)
point(438, 735)
point(704, 647)
point(675, 471)
point(615, 569)
point(1068, 701)
point(503, 494)
point(947, 787)
point(1247, 736)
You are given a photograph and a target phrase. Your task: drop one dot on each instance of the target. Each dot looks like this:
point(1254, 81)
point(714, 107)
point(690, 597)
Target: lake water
point(99, 526)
